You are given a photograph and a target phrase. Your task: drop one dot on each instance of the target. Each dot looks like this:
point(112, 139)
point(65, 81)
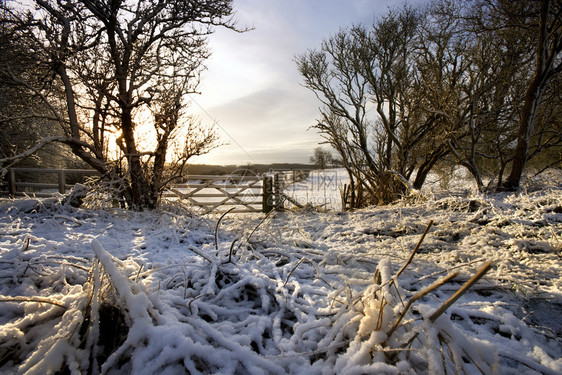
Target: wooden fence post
point(62, 182)
point(278, 190)
point(268, 195)
point(12, 182)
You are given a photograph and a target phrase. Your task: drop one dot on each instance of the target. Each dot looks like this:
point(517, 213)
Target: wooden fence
point(13, 187)
point(207, 193)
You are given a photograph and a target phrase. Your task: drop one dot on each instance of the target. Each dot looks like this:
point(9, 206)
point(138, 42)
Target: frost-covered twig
point(441, 309)
point(419, 295)
point(31, 299)
point(217, 228)
point(293, 270)
point(232, 249)
point(541, 369)
point(259, 224)
point(201, 254)
point(431, 275)
point(415, 249)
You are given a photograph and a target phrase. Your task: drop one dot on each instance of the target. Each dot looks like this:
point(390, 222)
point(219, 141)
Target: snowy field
point(322, 189)
point(300, 292)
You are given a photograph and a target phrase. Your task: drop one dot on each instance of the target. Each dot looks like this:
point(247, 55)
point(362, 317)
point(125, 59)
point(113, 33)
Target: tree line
point(471, 83)
point(88, 73)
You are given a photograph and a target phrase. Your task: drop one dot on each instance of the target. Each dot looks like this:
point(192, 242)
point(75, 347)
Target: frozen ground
point(115, 292)
point(322, 189)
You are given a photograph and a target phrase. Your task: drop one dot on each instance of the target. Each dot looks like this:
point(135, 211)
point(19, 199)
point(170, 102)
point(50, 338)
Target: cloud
point(269, 122)
point(252, 86)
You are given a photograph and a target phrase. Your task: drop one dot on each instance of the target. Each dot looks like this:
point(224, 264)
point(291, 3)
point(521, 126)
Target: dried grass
point(101, 329)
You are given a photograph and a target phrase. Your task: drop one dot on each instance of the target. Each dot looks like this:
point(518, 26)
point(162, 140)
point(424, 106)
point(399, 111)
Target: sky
point(252, 89)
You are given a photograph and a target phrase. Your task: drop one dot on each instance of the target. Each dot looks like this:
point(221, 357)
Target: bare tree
point(450, 86)
point(321, 159)
point(335, 79)
point(545, 149)
point(500, 44)
point(540, 25)
point(547, 65)
point(113, 61)
point(175, 131)
point(359, 70)
point(454, 83)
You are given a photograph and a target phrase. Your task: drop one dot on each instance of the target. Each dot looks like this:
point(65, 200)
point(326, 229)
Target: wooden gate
point(219, 193)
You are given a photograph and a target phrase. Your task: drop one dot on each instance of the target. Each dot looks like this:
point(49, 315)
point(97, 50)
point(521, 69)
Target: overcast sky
point(252, 87)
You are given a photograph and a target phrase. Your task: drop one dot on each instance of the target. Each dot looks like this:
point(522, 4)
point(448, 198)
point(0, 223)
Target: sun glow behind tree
point(116, 70)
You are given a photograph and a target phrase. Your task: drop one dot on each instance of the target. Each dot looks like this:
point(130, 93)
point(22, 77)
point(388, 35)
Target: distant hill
point(204, 169)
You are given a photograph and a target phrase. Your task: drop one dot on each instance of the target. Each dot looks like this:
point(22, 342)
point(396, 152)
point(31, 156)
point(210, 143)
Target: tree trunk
point(158, 169)
point(96, 161)
point(526, 127)
point(140, 198)
point(428, 165)
point(545, 57)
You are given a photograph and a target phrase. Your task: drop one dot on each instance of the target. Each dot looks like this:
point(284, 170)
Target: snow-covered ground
point(300, 292)
point(321, 189)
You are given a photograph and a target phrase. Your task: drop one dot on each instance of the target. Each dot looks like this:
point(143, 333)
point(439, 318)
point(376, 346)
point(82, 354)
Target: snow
point(111, 292)
point(322, 188)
